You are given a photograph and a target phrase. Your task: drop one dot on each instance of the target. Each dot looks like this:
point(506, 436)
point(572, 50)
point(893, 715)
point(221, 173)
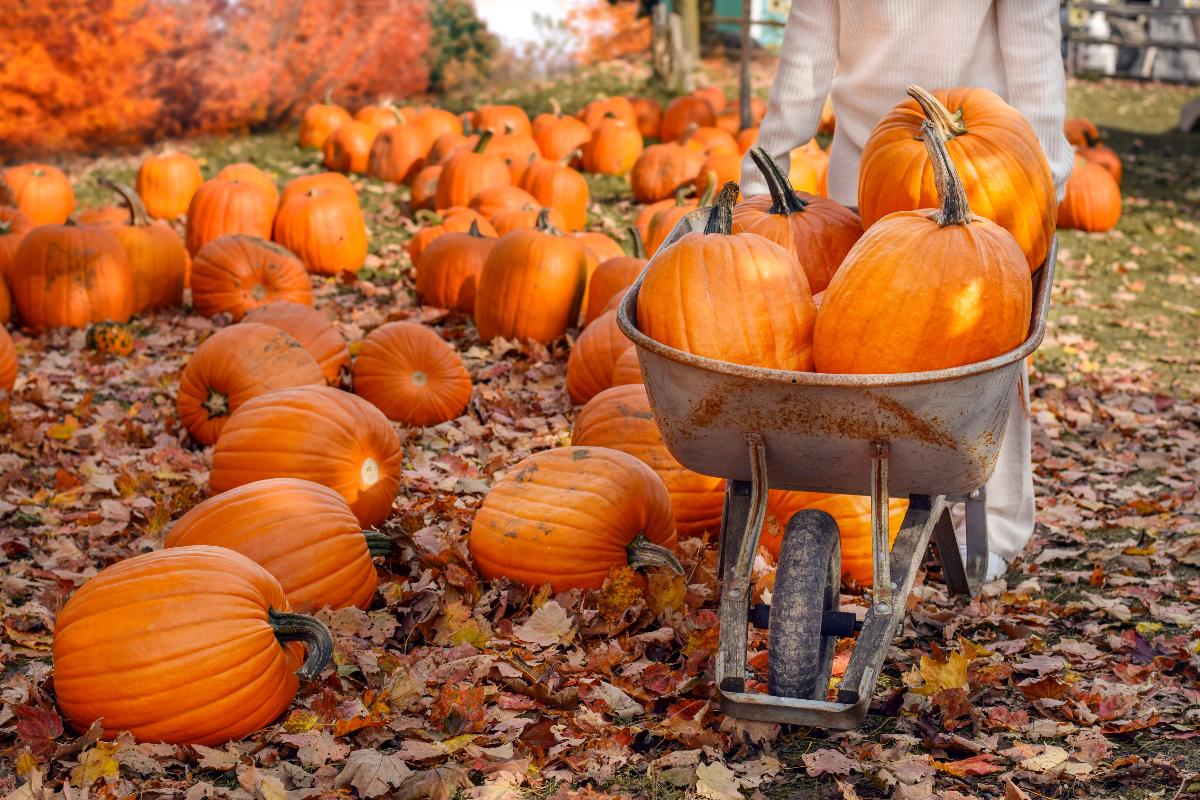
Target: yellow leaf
point(456, 743)
point(620, 592)
point(64, 430)
point(26, 764)
point(666, 591)
point(94, 764)
point(942, 675)
point(300, 721)
point(1148, 628)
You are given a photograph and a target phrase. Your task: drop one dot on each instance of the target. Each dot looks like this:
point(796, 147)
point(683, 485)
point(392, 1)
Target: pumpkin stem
point(216, 404)
point(720, 219)
point(543, 222)
point(138, 216)
point(688, 130)
point(682, 192)
point(951, 193)
point(312, 632)
point(639, 247)
point(378, 544)
point(329, 97)
point(645, 553)
point(784, 199)
point(710, 188)
point(947, 125)
point(484, 138)
point(474, 229)
point(555, 107)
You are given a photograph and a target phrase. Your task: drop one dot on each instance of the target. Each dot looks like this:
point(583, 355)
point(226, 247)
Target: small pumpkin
point(315, 433)
point(232, 366)
point(71, 276)
point(613, 148)
point(5, 303)
point(325, 230)
point(380, 117)
point(234, 274)
point(715, 97)
point(410, 374)
point(110, 339)
point(526, 217)
point(155, 252)
point(590, 365)
point(746, 138)
point(222, 208)
point(319, 122)
point(497, 199)
point(466, 173)
point(41, 191)
point(649, 116)
point(628, 370)
point(1104, 156)
point(424, 187)
point(448, 269)
point(502, 119)
point(246, 172)
point(398, 154)
point(718, 170)
point(517, 150)
point(567, 516)
point(312, 330)
point(559, 187)
point(348, 149)
point(1092, 201)
point(597, 112)
point(682, 112)
point(803, 172)
point(967, 299)
point(709, 141)
point(8, 365)
point(559, 137)
point(15, 224)
point(1081, 132)
point(301, 532)
point(662, 169)
point(451, 220)
point(612, 276)
point(601, 245)
point(450, 144)
point(189, 645)
point(326, 182)
point(167, 182)
point(102, 215)
point(437, 121)
point(663, 222)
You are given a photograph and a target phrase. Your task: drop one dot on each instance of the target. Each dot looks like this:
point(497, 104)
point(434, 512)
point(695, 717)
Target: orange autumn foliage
point(607, 30)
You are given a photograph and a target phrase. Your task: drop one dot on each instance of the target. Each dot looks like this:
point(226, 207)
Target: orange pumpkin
point(1092, 201)
point(398, 153)
point(988, 141)
point(818, 231)
point(448, 269)
point(715, 97)
point(712, 282)
point(41, 191)
point(325, 230)
point(560, 187)
point(248, 173)
point(627, 370)
point(190, 645)
point(612, 276)
point(5, 308)
point(15, 225)
point(449, 144)
point(424, 187)
point(380, 117)
point(155, 252)
point(967, 299)
point(531, 285)
point(1081, 132)
point(613, 148)
point(72, 276)
point(467, 172)
point(497, 199)
point(595, 113)
point(502, 119)
point(326, 182)
point(602, 246)
point(8, 360)
point(234, 274)
point(222, 208)
point(303, 533)
point(590, 365)
point(1104, 156)
point(828, 122)
point(682, 112)
point(662, 169)
point(102, 215)
point(649, 116)
point(559, 137)
point(709, 141)
point(746, 139)
point(315, 433)
point(730, 121)
point(450, 220)
point(569, 515)
point(167, 183)
point(803, 173)
point(665, 220)
point(718, 170)
point(349, 148)
point(436, 122)
point(319, 122)
point(526, 217)
point(410, 374)
point(312, 330)
point(517, 150)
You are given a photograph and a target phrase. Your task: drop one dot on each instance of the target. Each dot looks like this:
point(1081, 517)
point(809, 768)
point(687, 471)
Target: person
point(862, 53)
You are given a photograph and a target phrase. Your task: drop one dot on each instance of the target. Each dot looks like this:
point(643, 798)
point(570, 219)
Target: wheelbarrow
point(931, 436)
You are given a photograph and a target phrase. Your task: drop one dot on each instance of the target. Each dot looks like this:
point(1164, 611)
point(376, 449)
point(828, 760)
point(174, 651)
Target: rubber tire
point(807, 583)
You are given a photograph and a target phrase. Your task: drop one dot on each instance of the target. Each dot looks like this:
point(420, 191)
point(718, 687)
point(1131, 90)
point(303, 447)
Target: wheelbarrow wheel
point(807, 584)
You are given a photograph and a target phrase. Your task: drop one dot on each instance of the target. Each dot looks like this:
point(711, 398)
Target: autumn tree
point(608, 29)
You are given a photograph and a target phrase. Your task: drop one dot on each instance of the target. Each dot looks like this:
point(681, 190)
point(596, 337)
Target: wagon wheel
point(807, 584)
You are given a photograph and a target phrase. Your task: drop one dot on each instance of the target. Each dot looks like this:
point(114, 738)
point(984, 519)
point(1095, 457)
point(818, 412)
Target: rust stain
point(925, 430)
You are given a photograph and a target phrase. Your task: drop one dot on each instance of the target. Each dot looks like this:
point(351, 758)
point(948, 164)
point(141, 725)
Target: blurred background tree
point(461, 49)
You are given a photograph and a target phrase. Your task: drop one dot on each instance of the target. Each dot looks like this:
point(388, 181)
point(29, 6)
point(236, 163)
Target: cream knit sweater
point(865, 52)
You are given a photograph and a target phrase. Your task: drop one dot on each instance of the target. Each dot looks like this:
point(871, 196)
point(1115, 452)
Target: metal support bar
point(880, 544)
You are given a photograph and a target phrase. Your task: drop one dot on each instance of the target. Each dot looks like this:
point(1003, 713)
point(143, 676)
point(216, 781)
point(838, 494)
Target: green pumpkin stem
point(951, 194)
point(484, 138)
point(474, 229)
point(947, 125)
point(378, 544)
point(710, 188)
point(784, 199)
point(644, 553)
point(639, 247)
point(312, 632)
point(138, 216)
point(720, 218)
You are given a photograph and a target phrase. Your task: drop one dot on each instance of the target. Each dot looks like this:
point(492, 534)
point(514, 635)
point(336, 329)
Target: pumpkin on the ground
point(457, 219)
point(303, 533)
point(502, 119)
point(448, 269)
point(248, 173)
point(662, 169)
point(597, 112)
point(411, 374)
point(627, 369)
point(380, 117)
point(319, 122)
point(234, 365)
point(746, 138)
point(326, 182)
point(234, 274)
point(665, 220)
point(156, 254)
point(424, 187)
point(1081, 132)
point(190, 645)
point(649, 116)
point(40, 190)
point(8, 361)
point(15, 224)
point(69, 275)
point(559, 187)
point(613, 148)
point(1092, 201)
point(325, 230)
point(527, 217)
point(709, 141)
point(223, 208)
point(612, 276)
point(590, 365)
point(569, 515)
point(312, 330)
point(1104, 156)
point(497, 199)
point(315, 433)
point(559, 137)
point(397, 154)
point(682, 112)
point(715, 97)
point(167, 182)
point(468, 172)
point(436, 122)
point(348, 148)
point(516, 150)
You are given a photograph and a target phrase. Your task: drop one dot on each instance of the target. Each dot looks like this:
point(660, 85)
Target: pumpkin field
point(327, 470)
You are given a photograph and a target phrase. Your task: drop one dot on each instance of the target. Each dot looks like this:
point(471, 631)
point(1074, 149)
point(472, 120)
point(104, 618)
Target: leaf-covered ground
point(1077, 675)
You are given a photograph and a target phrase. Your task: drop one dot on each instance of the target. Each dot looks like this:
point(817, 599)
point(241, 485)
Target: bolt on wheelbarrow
point(931, 436)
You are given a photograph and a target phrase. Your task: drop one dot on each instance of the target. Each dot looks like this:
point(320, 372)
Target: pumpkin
point(8, 359)
point(662, 169)
point(222, 208)
point(469, 171)
point(155, 253)
point(718, 170)
point(234, 365)
point(312, 330)
point(71, 276)
point(569, 515)
point(102, 215)
point(601, 245)
point(5, 303)
point(988, 140)
point(234, 274)
point(167, 183)
point(590, 365)
point(715, 97)
point(301, 532)
point(1081, 132)
point(502, 119)
point(450, 220)
point(319, 122)
point(1092, 201)
point(448, 269)
point(398, 154)
point(612, 276)
point(381, 117)
point(531, 284)
point(595, 113)
point(110, 339)
point(649, 116)
point(248, 173)
point(449, 144)
point(709, 141)
point(517, 150)
point(327, 182)
point(967, 297)
point(827, 124)
point(1104, 156)
point(746, 139)
point(559, 187)
point(682, 112)
point(613, 148)
point(190, 645)
point(315, 433)
point(558, 137)
point(853, 516)
point(410, 374)
point(497, 199)
point(647, 212)
point(627, 370)
point(349, 147)
point(424, 187)
point(325, 230)
point(663, 222)
point(730, 121)
point(710, 283)
point(803, 174)
point(526, 217)
point(818, 231)
point(41, 191)
point(436, 122)
point(15, 225)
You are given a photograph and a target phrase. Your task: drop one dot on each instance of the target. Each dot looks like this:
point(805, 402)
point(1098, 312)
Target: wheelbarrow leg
point(965, 580)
